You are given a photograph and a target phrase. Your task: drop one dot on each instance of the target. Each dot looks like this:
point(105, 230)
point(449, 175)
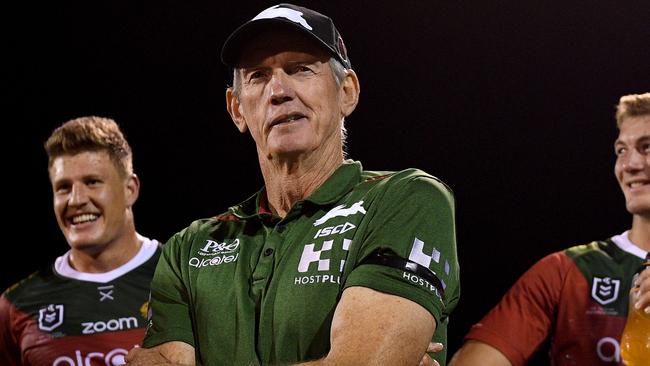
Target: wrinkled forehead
point(276, 40)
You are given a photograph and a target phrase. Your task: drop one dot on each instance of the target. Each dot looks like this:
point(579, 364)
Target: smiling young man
point(328, 264)
point(579, 297)
point(89, 307)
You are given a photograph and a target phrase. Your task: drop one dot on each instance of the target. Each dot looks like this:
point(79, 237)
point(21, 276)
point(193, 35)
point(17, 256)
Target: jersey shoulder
point(40, 279)
point(412, 178)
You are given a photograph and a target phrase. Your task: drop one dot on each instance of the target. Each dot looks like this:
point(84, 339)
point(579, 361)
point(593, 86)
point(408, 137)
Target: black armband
point(390, 259)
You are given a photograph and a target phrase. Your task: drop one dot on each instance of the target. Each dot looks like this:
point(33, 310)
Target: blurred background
point(511, 103)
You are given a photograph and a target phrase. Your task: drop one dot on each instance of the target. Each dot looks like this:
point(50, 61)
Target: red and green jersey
point(62, 317)
point(248, 288)
point(578, 297)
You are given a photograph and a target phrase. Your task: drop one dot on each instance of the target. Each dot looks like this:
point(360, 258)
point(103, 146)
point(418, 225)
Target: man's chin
point(639, 208)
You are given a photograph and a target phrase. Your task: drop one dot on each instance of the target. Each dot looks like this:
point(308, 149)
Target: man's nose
point(280, 87)
point(634, 160)
point(78, 195)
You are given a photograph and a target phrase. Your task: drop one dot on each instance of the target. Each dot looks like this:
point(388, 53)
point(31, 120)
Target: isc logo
point(338, 229)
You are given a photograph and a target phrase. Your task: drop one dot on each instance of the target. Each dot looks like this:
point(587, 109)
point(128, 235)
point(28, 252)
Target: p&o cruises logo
point(214, 253)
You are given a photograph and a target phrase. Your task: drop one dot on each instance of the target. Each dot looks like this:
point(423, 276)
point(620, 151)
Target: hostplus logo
point(217, 253)
point(318, 260)
point(424, 258)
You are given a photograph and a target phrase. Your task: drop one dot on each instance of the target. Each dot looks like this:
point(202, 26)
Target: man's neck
point(291, 180)
point(640, 232)
point(108, 257)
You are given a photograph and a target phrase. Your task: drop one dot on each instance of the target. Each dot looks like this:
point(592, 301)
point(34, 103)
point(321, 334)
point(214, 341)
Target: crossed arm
point(368, 328)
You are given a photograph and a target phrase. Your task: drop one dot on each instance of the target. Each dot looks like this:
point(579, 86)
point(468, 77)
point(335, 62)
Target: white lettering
point(304, 280)
point(114, 357)
point(214, 261)
point(614, 351)
point(112, 324)
point(70, 362)
point(338, 229)
point(214, 247)
point(421, 282)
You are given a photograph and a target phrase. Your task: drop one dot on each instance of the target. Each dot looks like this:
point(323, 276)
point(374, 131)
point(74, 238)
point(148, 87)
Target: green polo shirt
point(248, 288)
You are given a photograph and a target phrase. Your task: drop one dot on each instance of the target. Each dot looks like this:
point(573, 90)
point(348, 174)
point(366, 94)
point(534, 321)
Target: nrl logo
point(50, 317)
point(605, 290)
point(340, 210)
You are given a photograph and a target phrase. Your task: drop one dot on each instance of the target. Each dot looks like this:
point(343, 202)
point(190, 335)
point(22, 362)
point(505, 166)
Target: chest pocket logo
point(605, 290)
point(340, 210)
point(50, 317)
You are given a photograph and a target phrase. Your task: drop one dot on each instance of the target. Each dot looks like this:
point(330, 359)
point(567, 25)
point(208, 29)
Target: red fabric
point(552, 299)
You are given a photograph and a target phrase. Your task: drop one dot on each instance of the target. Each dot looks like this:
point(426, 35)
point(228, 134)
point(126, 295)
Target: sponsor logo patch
point(212, 247)
point(278, 12)
point(605, 290)
point(113, 357)
point(338, 229)
point(340, 210)
point(50, 317)
point(106, 292)
point(109, 325)
point(316, 260)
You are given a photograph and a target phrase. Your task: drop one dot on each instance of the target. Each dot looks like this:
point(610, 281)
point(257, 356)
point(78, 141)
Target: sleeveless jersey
point(578, 297)
point(61, 317)
point(248, 288)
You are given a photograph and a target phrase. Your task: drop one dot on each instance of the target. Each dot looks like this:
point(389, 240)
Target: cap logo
point(277, 12)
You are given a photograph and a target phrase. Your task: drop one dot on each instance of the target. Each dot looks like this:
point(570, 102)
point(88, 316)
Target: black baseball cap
point(311, 23)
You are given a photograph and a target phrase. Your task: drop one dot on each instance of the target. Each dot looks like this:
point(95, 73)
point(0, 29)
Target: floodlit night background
point(511, 103)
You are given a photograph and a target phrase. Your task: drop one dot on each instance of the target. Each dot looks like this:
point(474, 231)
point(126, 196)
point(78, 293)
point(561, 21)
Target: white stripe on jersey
point(147, 250)
point(623, 242)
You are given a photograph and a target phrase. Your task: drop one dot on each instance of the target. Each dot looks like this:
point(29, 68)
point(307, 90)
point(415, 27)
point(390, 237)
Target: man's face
point(632, 167)
point(289, 99)
point(91, 199)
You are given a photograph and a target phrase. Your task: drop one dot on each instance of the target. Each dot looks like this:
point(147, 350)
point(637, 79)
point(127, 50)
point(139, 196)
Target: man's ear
point(132, 190)
point(234, 109)
point(350, 90)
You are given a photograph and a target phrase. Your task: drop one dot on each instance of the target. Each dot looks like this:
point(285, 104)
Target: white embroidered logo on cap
point(277, 12)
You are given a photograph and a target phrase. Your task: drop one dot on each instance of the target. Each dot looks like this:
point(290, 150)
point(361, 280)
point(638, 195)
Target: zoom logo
point(110, 325)
point(114, 357)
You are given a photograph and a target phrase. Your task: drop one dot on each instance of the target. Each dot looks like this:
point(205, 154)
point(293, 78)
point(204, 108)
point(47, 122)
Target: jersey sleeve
point(10, 355)
point(413, 221)
point(169, 317)
point(523, 319)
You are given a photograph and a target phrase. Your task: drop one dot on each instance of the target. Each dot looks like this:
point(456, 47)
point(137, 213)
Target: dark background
point(511, 103)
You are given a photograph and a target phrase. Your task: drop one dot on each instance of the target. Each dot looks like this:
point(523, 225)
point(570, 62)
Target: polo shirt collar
point(337, 185)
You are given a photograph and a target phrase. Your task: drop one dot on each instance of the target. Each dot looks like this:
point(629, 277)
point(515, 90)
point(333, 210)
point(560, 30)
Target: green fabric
point(240, 304)
point(604, 263)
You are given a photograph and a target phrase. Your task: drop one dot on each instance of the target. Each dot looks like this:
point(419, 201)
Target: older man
point(327, 263)
point(579, 297)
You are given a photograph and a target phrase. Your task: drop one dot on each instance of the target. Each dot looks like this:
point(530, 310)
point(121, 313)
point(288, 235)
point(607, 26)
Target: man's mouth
point(286, 119)
point(83, 218)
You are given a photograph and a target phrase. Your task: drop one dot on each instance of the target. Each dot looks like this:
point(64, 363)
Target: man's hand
point(143, 356)
point(643, 299)
point(166, 354)
point(428, 360)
